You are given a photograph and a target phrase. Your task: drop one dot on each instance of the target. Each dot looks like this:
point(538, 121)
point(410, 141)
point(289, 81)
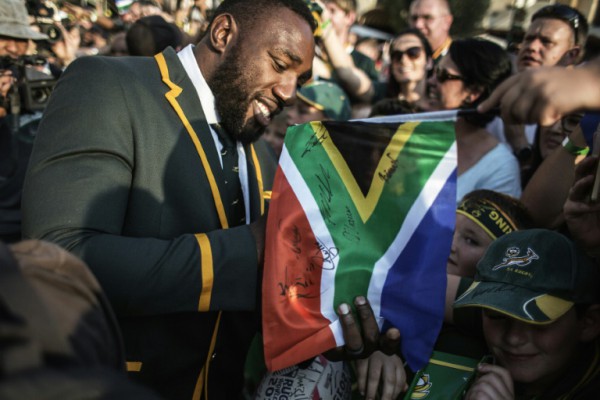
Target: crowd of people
point(143, 136)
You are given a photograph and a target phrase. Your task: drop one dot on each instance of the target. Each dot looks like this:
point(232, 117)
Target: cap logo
point(423, 387)
point(513, 258)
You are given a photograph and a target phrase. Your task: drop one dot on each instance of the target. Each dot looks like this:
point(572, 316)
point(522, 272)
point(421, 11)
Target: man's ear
point(590, 324)
point(571, 57)
point(222, 32)
point(448, 19)
point(474, 94)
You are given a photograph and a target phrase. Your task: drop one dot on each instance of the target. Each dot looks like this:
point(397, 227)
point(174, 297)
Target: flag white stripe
point(415, 215)
point(320, 230)
point(446, 115)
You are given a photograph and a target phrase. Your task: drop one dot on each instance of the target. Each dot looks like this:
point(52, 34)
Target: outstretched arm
point(355, 81)
point(544, 95)
point(581, 214)
point(548, 188)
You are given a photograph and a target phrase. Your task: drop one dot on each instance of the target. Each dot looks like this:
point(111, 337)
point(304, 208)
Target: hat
point(533, 275)
point(14, 21)
point(123, 6)
point(327, 97)
point(487, 215)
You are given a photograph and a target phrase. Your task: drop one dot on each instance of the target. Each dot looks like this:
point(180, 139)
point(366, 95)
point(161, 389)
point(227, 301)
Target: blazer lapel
point(183, 97)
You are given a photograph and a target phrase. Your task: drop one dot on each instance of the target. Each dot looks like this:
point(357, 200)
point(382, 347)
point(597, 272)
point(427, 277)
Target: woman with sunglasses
point(410, 66)
point(464, 78)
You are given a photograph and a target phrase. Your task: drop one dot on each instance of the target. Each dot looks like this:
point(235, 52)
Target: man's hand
point(381, 368)
point(6, 81)
point(543, 95)
point(66, 48)
point(364, 338)
point(581, 215)
point(376, 356)
point(492, 383)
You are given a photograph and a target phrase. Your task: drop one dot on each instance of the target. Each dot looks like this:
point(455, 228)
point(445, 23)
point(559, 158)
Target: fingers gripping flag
point(358, 208)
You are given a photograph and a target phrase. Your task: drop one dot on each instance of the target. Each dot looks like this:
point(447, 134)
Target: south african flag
point(359, 208)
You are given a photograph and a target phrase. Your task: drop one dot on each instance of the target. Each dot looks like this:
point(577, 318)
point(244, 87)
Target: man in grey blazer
point(128, 173)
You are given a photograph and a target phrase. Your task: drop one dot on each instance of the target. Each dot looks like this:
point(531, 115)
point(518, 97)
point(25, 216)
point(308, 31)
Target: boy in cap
point(319, 101)
point(540, 300)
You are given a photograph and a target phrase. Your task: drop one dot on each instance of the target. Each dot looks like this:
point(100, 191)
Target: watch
point(524, 153)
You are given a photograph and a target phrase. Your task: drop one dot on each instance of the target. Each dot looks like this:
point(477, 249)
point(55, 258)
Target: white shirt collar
point(207, 99)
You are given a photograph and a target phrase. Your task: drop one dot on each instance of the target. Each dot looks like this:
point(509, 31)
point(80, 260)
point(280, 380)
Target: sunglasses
point(443, 75)
point(570, 122)
point(564, 13)
point(412, 52)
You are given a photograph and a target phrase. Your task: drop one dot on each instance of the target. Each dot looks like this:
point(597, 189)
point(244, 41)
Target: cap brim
point(17, 31)
point(311, 102)
point(368, 32)
point(517, 302)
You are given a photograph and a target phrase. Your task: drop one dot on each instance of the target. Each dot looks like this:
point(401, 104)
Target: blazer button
point(213, 355)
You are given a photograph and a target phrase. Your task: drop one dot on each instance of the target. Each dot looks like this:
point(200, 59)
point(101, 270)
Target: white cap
point(14, 21)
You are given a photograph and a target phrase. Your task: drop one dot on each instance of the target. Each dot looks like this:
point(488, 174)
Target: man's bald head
point(433, 18)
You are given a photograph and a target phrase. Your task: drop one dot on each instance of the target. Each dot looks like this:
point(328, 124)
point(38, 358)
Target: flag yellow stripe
point(451, 365)
point(366, 205)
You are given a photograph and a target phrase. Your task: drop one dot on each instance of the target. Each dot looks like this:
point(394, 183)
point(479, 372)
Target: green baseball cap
point(533, 275)
point(327, 97)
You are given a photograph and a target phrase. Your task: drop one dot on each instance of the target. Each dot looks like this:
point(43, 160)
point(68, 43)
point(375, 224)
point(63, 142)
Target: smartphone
point(596, 151)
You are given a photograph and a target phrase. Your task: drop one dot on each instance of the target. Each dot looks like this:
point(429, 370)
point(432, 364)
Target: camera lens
point(53, 32)
point(40, 96)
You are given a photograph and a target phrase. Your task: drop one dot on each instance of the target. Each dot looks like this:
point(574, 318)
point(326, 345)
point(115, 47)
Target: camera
point(33, 87)
point(46, 15)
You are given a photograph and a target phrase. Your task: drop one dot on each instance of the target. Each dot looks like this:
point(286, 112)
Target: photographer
point(15, 146)
point(63, 39)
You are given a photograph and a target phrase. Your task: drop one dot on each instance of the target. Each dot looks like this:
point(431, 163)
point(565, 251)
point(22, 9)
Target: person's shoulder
point(103, 69)
point(96, 62)
point(503, 149)
point(505, 160)
point(499, 151)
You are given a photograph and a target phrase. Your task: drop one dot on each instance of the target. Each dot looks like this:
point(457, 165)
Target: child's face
point(302, 113)
point(533, 354)
point(469, 244)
